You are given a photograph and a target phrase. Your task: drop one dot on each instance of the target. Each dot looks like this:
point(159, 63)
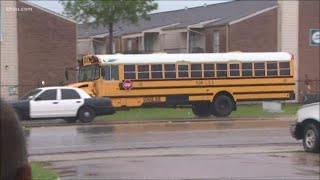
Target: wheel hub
point(87, 114)
point(310, 138)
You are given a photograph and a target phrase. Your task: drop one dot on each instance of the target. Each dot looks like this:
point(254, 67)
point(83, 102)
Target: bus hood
point(79, 85)
point(86, 86)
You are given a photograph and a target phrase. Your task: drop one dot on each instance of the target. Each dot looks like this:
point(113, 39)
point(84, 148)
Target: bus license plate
point(151, 99)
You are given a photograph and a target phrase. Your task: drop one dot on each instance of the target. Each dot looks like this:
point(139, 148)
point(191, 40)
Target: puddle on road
point(95, 130)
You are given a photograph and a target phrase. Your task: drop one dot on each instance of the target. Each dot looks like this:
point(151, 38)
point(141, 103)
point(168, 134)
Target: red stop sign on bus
point(127, 84)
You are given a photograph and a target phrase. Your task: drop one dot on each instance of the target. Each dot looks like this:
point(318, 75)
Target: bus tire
point(201, 109)
point(86, 114)
point(222, 106)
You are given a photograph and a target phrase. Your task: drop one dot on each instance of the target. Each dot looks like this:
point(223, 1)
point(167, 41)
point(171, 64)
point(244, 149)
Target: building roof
point(48, 11)
point(209, 15)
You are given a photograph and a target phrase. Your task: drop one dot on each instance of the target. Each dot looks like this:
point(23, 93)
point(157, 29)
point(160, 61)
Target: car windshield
point(31, 94)
point(89, 73)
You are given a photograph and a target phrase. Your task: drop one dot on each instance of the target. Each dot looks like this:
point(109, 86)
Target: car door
point(44, 105)
point(70, 102)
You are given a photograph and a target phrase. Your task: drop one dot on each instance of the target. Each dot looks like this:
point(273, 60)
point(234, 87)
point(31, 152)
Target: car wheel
point(201, 109)
point(70, 120)
point(222, 106)
point(86, 114)
point(311, 138)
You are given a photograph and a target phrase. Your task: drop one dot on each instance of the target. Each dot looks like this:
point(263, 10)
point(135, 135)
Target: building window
point(129, 44)
point(216, 42)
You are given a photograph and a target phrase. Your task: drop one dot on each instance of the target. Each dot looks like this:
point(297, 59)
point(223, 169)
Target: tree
point(108, 12)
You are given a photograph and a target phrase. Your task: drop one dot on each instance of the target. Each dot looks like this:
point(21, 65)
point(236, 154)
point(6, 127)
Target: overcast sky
point(164, 5)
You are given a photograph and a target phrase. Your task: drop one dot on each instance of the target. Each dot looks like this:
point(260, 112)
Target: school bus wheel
point(201, 109)
point(222, 106)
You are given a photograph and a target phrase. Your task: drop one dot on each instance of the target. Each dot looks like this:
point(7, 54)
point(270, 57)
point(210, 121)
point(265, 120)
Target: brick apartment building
point(36, 45)
point(248, 26)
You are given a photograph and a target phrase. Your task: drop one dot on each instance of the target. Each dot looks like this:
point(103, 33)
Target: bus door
point(110, 76)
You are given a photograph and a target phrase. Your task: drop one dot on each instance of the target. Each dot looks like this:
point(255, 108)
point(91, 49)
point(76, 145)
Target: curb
point(154, 121)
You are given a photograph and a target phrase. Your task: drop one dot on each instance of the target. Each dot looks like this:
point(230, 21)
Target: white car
point(63, 102)
point(307, 127)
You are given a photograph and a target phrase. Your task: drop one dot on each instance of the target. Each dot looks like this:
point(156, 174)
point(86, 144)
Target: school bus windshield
point(89, 73)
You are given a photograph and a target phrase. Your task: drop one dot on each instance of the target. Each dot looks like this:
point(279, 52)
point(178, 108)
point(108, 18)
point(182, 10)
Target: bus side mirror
point(66, 74)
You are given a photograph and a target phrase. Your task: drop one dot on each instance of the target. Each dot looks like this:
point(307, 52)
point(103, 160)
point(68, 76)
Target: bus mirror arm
point(66, 74)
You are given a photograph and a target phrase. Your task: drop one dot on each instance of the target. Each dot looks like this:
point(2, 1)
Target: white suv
point(307, 127)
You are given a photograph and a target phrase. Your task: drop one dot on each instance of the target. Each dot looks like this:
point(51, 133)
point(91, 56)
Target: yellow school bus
point(211, 82)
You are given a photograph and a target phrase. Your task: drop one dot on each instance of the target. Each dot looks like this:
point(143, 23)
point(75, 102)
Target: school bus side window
point(246, 69)
point(156, 71)
point(234, 70)
point(105, 72)
point(259, 69)
point(129, 72)
point(222, 70)
point(170, 71)
point(284, 68)
point(143, 71)
point(208, 70)
point(183, 70)
point(272, 69)
point(110, 72)
point(196, 71)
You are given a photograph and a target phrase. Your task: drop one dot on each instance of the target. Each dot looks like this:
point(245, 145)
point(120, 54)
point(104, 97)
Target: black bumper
point(104, 110)
point(296, 131)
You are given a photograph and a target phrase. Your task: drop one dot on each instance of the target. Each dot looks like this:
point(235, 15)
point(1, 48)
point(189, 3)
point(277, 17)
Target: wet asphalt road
point(55, 140)
point(130, 152)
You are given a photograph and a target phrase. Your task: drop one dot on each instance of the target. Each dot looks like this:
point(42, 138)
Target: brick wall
point(309, 56)
point(8, 48)
point(47, 45)
point(255, 34)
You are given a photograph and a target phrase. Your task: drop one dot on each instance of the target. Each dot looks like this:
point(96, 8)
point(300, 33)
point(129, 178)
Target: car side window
point(50, 94)
point(69, 94)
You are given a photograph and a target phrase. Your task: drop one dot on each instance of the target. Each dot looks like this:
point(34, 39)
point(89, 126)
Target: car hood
point(310, 105)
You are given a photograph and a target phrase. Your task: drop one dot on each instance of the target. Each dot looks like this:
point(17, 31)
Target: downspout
point(188, 39)
point(227, 37)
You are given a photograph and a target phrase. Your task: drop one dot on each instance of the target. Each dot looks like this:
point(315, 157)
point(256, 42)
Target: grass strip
point(254, 110)
point(40, 171)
